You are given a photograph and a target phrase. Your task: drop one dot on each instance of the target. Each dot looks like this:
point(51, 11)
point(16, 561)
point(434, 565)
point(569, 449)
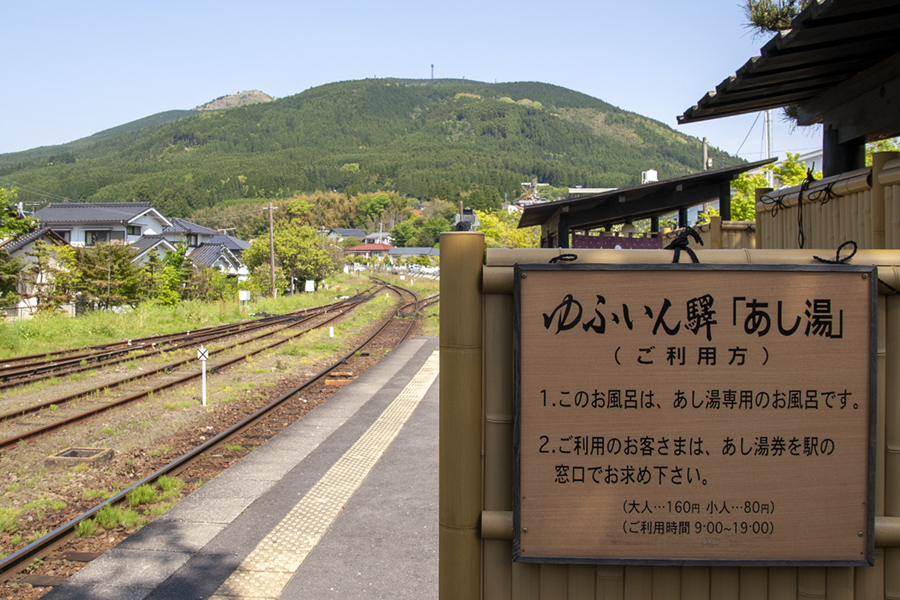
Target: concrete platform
point(342, 504)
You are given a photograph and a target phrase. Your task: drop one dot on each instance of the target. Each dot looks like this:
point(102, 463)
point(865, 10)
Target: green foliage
point(501, 231)
point(768, 16)
point(141, 495)
point(11, 224)
point(888, 145)
point(51, 277)
point(108, 277)
point(424, 139)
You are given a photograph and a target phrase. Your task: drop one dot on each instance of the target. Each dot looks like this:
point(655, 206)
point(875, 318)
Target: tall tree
point(109, 278)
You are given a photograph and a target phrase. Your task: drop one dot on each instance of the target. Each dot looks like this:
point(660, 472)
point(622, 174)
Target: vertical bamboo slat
point(460, 435)
point(892, 441)
point(725, 583)
point(811, 583)
point(695, 583)
point(783, 583)
point(610, 581)
point(869, 581)
point(754, 583)
point(638, 583)
point(498, 437)
point(554, 582)
point(581, 582)
point(895, 207)
point(839, 583)
point(666, 583)
point(526, 581)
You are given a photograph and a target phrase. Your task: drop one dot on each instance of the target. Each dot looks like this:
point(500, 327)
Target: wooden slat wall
point(505, 580)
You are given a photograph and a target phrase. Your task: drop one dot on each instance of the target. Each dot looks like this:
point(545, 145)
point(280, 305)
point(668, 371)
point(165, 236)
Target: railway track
point(394, 329)
point(36, 367)
point(129, 389)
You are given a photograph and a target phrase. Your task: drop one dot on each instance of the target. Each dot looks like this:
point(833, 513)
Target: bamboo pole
point(869, 581)
point(666, 583)
point(811, 583)
point(638, 583)
point(880, 210)
point(892, 441)
point(754, 583)
point(783, 583)
point(581, 582)
point(554, 582)
point(498, 439)
point(725, 583)
point(460, 548)
point(526, 582)
point(695, 582)
point(839, 583)
point(610, 581)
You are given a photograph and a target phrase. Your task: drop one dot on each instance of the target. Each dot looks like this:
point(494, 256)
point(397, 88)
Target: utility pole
point(705, 155)
point(270, 208)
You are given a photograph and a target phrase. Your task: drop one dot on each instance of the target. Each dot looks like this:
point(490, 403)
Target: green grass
point(233, 447)
point(96, 494)
point(141, 495)
point(181, 405)
point(111, 517)
point(9, 518)
point(44, 333)
point(86, 528)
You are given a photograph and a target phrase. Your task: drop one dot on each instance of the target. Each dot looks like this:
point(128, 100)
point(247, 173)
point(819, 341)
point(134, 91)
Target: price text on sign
point(695, 414)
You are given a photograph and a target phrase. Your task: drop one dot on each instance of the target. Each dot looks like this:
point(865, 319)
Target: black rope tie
point(681, 243)
point(563, 258)
point(837, 256)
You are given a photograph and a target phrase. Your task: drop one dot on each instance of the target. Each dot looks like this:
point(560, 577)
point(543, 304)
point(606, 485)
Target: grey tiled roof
point(185, 226)
point(148, 241)
point(17, 243)
point(357, 233)
point(81, 212)
point(207, 254)
point(414, 251)
point(232, 243)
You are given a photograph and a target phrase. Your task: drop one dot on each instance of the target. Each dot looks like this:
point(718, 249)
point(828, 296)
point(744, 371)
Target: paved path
point(342, 504)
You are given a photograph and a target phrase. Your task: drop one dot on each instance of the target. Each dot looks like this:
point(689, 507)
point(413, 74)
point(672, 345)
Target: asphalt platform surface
point(342, 504)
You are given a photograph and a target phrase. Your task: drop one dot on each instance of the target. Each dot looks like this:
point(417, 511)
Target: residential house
point(184, 232)
point(21, 248)
point(232, 243)
point(86, 224)
point(379, 237)
point(407, 253)
point(150, 244)
point(338, 235)
point(369, 250)
point(219, 257)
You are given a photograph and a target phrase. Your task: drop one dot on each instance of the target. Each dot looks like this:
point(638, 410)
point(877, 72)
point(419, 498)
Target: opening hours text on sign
point(695, 414)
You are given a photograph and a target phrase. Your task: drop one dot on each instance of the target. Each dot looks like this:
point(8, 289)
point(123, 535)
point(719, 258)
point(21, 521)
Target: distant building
point(89, 223)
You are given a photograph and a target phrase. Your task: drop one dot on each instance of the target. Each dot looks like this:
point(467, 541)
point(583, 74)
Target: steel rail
point(10, 366)
point(297, 320)
point(63, 533)
point(13, 440)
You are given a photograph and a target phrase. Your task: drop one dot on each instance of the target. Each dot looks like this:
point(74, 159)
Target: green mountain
point(422, 138)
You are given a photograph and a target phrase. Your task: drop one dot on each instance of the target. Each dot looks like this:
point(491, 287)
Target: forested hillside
point(419, 138)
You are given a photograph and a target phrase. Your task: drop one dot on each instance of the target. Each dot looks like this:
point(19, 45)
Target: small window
point(95, 237)
point(65, 235)
point(193, 240)
point(133, 230)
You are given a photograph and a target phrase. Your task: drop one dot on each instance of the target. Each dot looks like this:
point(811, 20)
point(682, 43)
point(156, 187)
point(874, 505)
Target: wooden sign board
point(695, 414)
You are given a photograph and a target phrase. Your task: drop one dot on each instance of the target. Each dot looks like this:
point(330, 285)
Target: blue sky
point(71, 69)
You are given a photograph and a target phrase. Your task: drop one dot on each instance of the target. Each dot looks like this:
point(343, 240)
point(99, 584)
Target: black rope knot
point(837, 257)
point(681, 243)
point(563, 258)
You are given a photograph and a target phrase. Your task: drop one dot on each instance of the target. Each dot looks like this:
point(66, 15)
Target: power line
point(738, 153)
